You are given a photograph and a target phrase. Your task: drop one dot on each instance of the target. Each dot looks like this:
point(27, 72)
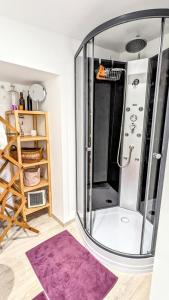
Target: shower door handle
point(157, 155)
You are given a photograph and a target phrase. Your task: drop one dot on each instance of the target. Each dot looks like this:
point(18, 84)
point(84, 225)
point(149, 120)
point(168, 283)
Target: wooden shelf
point(31, 210)
point(36, 121)
point(39, 163)
point(29, 138)
point(26, 112)
point(43, 183)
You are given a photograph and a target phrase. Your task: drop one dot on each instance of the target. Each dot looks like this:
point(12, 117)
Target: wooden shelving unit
point(44, 182)
point(29, 138)
point(42, 162)
point(26, 112)
point(29, 211)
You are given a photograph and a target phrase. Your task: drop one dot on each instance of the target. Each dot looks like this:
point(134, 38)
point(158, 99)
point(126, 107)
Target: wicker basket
point(29, 155)
point(31, 176)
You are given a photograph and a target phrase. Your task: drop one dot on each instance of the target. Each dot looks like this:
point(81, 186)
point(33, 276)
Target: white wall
point(52, 102)
point(47, 51)
point(4, 105)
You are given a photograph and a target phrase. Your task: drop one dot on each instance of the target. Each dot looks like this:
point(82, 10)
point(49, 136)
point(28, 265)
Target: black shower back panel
point(101, 130)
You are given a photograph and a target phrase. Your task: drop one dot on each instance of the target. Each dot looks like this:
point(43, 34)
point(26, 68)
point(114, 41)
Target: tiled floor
point(19, 282)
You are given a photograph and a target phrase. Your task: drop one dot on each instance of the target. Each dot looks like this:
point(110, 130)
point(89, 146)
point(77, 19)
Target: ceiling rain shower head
point(136, 45)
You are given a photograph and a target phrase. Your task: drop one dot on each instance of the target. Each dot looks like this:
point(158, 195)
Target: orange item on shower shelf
point(101, 73)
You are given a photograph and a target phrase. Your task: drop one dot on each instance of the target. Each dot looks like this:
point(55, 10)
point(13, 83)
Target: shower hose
point(131, 147)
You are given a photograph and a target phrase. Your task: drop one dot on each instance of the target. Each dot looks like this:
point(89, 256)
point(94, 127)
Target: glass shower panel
point(156, 144)
point(89, 74)
point(80, 136)
point(153, 198)
point(123, 109)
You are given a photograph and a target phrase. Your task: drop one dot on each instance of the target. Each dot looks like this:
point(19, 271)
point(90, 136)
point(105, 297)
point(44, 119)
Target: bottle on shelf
point(21, 105)
point(29, 102)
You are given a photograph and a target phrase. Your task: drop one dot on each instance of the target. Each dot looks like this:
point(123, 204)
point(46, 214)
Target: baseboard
point(61, 223)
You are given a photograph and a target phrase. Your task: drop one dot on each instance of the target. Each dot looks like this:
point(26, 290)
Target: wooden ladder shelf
point(11, 188)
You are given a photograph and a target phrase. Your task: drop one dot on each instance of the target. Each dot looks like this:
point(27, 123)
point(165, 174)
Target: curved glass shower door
point(80, 137)
point(121, 109)
point(89, 72)
point(159, 134)
point(84, 130)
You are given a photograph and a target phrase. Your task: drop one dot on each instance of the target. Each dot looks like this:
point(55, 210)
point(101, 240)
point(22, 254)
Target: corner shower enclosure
point(122, 131)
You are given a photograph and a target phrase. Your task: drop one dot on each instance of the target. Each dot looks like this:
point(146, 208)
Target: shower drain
point(109, 201)
point(124, 220)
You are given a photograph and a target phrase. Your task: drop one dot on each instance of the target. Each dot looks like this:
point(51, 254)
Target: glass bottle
point(29, 102)
point(13, 97)
point(21, 105)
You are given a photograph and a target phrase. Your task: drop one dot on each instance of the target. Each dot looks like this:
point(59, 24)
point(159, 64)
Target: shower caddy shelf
point(44, 182)
point(109, 74)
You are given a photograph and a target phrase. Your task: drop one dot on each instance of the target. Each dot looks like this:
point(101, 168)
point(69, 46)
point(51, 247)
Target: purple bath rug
point(67, 271)
point(41, 296)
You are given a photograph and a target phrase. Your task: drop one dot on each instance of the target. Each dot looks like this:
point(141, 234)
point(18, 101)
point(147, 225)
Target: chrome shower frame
point(145, 14)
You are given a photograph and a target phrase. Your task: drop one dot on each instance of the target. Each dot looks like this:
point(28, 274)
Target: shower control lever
point(132, 127)
point(156, 155)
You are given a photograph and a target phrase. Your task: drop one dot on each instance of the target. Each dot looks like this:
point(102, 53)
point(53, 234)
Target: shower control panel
point(133, 118)
point(133, 132)
point(134, 114)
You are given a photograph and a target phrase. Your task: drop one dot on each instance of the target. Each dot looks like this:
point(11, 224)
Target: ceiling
point(14, 73)
point(116, 38)
point(73, 18)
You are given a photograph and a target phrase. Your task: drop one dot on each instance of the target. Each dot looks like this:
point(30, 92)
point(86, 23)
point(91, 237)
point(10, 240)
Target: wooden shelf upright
point(44, 182)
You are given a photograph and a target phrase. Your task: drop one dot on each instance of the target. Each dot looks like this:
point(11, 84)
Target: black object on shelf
point(29, 102)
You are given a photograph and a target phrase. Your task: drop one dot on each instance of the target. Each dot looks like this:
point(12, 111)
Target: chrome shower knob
point(157, 155)
point(133, 118)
